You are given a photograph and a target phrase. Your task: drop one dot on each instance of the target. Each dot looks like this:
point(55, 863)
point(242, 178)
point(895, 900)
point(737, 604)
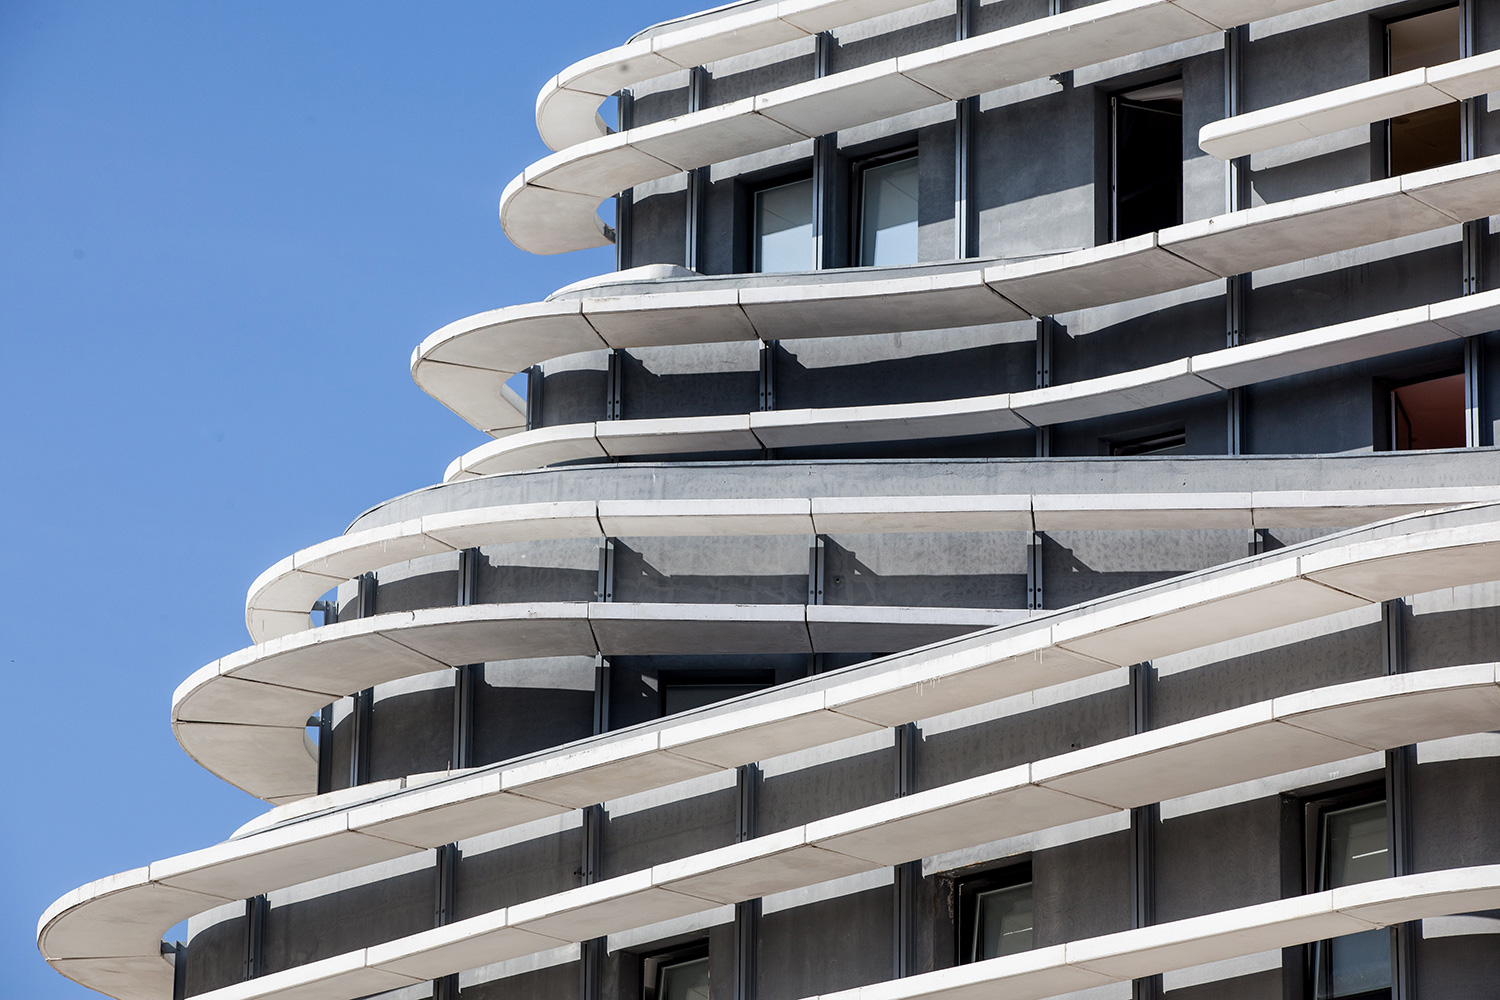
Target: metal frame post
point(907, 876)
point(697, 178)
point(1143, 823)
point(1034, 572)
point(1400, 762)
point(625, 200)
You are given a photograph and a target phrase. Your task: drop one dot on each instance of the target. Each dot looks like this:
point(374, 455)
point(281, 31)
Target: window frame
point(857, 170)
point(1314, 811)
point(967, 890)
point(1384, 27)
point(750, 192)
point(654, 962)
point(1112, 127)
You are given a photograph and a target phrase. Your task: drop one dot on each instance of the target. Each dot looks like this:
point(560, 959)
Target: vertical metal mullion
point(1034, 600)
point(908, 875)
point(1046, 329)
point(825, 150)
point(179, 971)
point(591, 952)
point(255, 936)
point(625, 200)
point(1236, 175)
point(325, 749)
point(697, 179)
point(361, 718)
point(604, 594)
point(747, 912)
point(1475, 234)
point(1399, 765)
point(1143, 823)
point(965, 112)
point(534, 382)
point(465, 676)
point(613, 401)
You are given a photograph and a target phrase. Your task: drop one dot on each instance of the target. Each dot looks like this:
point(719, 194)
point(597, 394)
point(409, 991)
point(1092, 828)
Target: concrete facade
point(517, 780)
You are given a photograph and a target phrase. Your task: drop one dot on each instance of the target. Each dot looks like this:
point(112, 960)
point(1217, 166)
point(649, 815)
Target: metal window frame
point(967, 888)
point(653, 964)
point(858, 168)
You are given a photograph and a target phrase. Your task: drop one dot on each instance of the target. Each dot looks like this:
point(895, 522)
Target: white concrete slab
point(138, 977)
point(606, 907)
point(761, 731)
point(835, 515)
point(1141, 511)
point(1462, 191)
point(1170, 382)
point(125, 917)
point(698, 44)
point(756, 868)
point(1111, 272)
point(449, 812)
point(683, 518)
point(546, 222)
point(1427, 894)
point(1296, 353)
point(713, 135)
point(964, 814)
point(233, 700)
point(852, 97)
point(1471, 315)
point(527, 522)
point(1310, 226)
point(510, 339)
point(837, 308)
point(474, 394)
point(888, 422)
point(641, 629)
point(697, 317)
point(336, 659)
point(677, 435)
point(266, 761)
point(342, 977)
point(1031, 975)
point(463, 944)
point(604, 771)
point(1466, 78)
point(597, 168)
point(485, 632)
point(1414, 563)
point(849, 628)
point(1401, 710)
point(531, 449)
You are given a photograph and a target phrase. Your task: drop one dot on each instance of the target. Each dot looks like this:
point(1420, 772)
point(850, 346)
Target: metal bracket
point(1034, 572)
point(255, 936)
point(817, 559)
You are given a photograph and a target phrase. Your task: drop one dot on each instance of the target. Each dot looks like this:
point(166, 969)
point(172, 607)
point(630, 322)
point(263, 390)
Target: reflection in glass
point(1354, 849)
point(683, 980)
point(784, 228)
point(1002, 922)
point(888, 214)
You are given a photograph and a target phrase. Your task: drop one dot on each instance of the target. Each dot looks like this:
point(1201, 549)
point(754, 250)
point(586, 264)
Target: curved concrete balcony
point(1348, 107)
point(1174, 381)
point(125, 915)
point(244, 717)
point(464, 364)
point(281, 599)
point(550, 208)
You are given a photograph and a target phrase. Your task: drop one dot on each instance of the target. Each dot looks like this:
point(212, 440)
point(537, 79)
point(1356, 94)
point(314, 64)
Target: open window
point(1350, 845)
point(1428, 414)
point(1430, 137)
point(680, 974)
point(887, 202)
point(1146, 159)
point(682, 690)
point(782, 227)
point(995, 914)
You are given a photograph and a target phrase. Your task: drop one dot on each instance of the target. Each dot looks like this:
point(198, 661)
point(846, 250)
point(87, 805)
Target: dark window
point(684, 690)
point(1427, 138)
point(1428, 414)
point(1350, 845)
point(887, 218)
point(1170, 443)
point(782, 227)
point(681, 974)
point(1146, 159)
point(995, 914)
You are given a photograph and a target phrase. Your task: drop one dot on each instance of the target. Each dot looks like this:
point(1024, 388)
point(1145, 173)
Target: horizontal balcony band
point(550, 207)
point(280, 600)
point(123, 916)
point(463, 364)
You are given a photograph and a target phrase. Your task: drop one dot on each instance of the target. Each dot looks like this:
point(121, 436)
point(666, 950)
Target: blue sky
point(224, 226)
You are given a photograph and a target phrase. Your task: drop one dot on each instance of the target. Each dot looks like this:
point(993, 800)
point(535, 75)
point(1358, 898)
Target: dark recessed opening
point(1146, 160)
point(1428, 414)
point(1430, 137)
point(684, 690)
point(1169, 443)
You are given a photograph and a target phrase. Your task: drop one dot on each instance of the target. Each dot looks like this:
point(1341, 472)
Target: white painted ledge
point(280, 600)
point(449, 363)
point(126, 914)
point(1186, 378)
point(550, 207)
point(1348, 107)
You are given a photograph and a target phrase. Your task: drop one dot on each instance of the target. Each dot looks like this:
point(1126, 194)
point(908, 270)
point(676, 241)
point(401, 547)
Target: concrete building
point(1023, 520)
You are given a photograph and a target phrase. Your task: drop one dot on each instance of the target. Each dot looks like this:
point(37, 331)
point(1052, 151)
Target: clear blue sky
point(224, 226)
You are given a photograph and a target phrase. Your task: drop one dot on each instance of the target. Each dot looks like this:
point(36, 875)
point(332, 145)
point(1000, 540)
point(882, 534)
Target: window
point(888, 211)
point(783, 221)
point(1170, 443)
point(1431, 137)
point(1428, 414)
point(995, 915)
point(1146, 159)
point(1352, 847)
point(684, 690)
point(681, 974)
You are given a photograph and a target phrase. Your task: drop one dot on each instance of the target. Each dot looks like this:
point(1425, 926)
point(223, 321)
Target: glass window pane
point(784, 228)
point(683, 980)
point(1002, 922)
point(888, 217)
point(1355, 849)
